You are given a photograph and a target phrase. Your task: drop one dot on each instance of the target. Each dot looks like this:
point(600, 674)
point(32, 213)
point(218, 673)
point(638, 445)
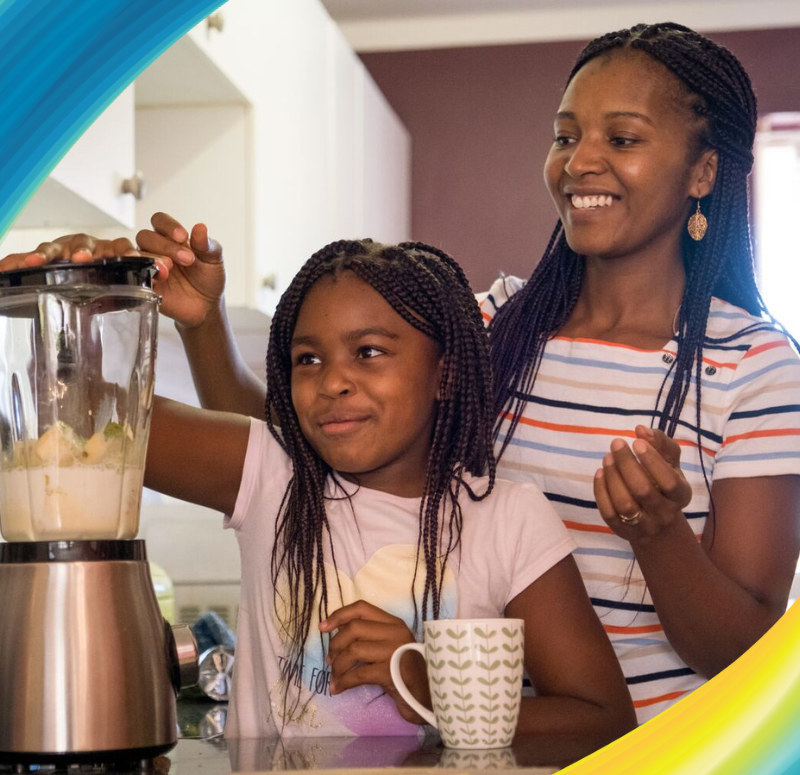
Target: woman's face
point(623, 167)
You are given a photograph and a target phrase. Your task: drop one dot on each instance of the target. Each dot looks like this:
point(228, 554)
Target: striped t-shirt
point(589, 392)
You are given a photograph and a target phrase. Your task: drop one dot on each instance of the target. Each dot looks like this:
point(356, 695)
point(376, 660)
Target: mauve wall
point(481, 124)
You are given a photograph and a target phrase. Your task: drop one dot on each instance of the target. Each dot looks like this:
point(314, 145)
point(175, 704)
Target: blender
point(89, 669)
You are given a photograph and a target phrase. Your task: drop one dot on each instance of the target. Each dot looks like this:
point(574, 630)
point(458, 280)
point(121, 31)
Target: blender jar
point(77, 359)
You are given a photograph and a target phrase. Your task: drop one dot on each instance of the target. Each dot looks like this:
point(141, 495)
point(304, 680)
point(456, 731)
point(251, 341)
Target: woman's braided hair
point(429, 290)
point(720, 96)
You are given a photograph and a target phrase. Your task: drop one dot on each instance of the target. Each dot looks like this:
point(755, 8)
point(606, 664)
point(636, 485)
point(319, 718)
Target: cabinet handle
point(270, 281)
point(216, 21)
point(134, 185)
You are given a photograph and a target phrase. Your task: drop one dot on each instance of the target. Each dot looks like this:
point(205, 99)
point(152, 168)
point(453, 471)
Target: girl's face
point(364, 385)
point(623, 167)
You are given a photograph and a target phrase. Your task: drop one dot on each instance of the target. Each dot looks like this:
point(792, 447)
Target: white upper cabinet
point(95, 184)
point(262, 123)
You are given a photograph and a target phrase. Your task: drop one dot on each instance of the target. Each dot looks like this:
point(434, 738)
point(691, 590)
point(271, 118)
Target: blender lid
point(119, 270)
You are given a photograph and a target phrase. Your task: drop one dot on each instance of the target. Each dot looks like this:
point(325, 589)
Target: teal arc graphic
point(62, 64)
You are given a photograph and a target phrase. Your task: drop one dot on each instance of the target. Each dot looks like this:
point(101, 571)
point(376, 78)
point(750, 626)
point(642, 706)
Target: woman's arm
point(196, 455)
point(579, 684)
point(718, 596)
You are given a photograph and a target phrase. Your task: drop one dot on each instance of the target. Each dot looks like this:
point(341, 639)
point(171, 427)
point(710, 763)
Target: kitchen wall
point(481, 123)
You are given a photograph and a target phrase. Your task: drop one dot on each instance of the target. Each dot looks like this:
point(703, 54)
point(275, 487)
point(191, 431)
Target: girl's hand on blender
point(194, 286)
point(78, 248)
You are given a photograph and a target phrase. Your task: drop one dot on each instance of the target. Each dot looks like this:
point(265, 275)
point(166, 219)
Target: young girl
point(361, 509)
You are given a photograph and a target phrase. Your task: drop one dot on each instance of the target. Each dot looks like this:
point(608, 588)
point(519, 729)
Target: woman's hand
point(190, 275)
point(78, 248)
point(641, 490)
point(196, 283)
point(360, 650)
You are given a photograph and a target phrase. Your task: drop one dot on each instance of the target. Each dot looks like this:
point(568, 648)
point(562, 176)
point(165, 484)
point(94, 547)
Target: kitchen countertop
point(203, 749)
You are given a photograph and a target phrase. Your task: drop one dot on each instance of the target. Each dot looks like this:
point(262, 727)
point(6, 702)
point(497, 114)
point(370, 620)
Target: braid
point(724, 105)
point(429, 290)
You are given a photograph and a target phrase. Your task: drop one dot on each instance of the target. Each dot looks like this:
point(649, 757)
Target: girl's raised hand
point(196, 283)
point(361, 646)
point(641, 489)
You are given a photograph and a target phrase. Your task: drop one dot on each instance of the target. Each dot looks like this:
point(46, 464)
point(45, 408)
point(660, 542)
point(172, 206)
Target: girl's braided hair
point(429, 290)
point(719, 95)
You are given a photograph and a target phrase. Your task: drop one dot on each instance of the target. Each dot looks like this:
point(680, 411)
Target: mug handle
point(397, 679)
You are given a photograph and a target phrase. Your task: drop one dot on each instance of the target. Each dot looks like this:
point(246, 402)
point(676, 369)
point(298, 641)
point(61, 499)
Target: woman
point(631, 329)
point(643, 314)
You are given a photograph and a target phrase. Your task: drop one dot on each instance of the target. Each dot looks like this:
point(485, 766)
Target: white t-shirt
point(588, 393)
point(508, 541)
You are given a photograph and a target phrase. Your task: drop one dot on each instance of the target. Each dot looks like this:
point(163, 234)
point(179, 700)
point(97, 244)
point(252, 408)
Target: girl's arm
point(579, 684)
point(196, 455)
point(715, 597)
point(364, 639)
point(193, 297)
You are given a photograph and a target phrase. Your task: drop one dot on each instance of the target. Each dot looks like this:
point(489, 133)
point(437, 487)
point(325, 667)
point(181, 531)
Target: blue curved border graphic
point(62, 63)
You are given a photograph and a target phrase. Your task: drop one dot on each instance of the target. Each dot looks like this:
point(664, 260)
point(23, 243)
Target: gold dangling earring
point(698, 225)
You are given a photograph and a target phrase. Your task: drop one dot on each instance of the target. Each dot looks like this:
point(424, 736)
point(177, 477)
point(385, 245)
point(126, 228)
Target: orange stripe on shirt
point(645, 628)
point(662, 698)
point(570, 525)
point(486, 316)
point(550, 426)
point(762, 435)
point(764, 347)
point(586, 528)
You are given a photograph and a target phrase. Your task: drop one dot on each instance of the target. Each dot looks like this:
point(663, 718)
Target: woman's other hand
point(360, 651)
point(641, 490)
point(196, 282)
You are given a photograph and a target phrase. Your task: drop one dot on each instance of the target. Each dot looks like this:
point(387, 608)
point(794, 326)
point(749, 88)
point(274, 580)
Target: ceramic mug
point(475, 678)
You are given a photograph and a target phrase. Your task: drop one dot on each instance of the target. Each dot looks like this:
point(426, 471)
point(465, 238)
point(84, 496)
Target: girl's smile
point(342, 423)
point(364, 385)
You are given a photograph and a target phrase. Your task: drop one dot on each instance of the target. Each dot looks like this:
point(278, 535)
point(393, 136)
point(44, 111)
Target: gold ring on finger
point(633, 519)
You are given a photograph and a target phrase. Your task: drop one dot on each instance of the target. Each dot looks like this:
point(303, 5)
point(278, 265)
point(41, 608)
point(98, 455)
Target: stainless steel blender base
point(85, 663)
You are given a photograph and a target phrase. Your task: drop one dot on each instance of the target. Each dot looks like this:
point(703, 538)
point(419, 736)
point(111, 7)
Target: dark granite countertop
point(203, 749)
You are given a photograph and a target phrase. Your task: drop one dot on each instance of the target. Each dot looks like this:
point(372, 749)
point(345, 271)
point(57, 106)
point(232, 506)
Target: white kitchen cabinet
point(270, 130)
point(220, 36)
point(312, 151)
point(85, 189)
point(198, 166)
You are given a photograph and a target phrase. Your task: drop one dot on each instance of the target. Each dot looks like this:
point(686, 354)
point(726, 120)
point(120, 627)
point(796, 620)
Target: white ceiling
point(351, 10)
point(385, 25)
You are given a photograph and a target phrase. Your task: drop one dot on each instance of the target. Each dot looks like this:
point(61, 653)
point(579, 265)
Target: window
point(777, 215)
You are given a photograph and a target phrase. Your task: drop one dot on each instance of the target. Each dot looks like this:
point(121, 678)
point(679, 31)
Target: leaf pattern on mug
point(475, 678)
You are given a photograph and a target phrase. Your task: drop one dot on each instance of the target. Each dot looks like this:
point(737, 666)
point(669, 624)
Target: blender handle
point(183, 656)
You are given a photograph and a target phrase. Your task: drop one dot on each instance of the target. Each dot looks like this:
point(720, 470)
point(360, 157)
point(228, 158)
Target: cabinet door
point(291, 131)
point(198, 165)
point(386, 149)
point(84, 190)
point(226, 36)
